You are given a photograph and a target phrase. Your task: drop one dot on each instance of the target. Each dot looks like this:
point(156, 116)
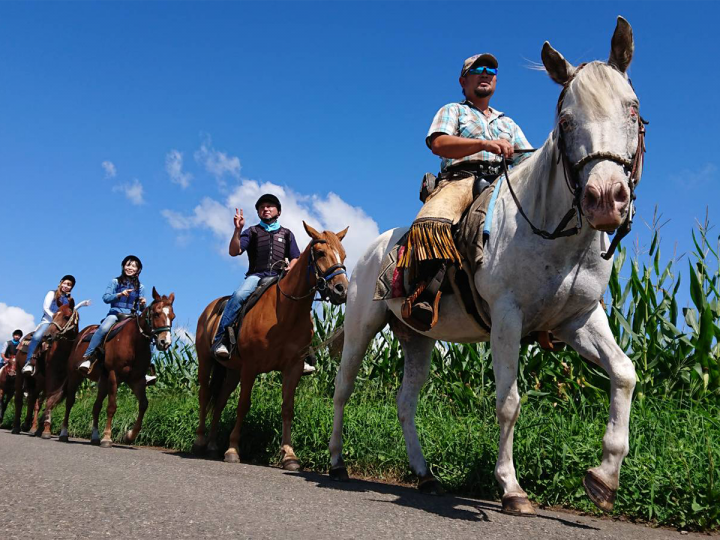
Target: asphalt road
point(74, 490)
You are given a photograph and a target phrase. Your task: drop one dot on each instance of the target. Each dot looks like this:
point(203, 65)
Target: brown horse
point(127, 359)
point(50, 368)
point(7, 385)
point(273, 336)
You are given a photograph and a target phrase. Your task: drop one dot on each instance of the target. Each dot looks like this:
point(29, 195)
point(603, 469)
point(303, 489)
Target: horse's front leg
point(106, 441)
point(232, 379)
point(247, 380)
point(290, 380)
point(138, 389)
point(102, 391)
point(592, 338)
point(505, 341)
point(418, 353)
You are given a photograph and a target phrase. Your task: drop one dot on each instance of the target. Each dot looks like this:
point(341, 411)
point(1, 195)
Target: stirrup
point(420, 309)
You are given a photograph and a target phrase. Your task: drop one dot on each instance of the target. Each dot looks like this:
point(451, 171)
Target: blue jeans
point(232, 308)
point(37, 336)
point(100, 333)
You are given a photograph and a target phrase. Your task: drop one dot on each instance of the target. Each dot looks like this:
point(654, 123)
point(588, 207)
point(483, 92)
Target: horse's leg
point(50, 403)
point(102, 391)
point(505, 340)
point(106, 441)
point(138, 389)
point(247, 380)
point(204, 372)
point(232, 378)
point(592, 338)
point(3, 401)
point(69, 402)
point(36, 428)
point(363, 319)
point(18, 399)
point(418, 353)
point(32, 400)
point(289, 384)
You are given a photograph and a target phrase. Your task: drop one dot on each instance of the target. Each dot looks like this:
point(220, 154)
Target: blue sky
point(129, 127)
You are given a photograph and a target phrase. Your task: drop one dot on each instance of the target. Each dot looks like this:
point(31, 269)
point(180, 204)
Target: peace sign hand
point(239, 220)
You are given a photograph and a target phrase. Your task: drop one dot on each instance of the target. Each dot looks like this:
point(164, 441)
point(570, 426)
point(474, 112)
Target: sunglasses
point(483, 69)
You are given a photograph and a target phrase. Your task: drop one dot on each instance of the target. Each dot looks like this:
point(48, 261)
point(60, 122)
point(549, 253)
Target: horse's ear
point(171, 298)
point(622, 45)
point(156, 296)
point(312, 233)
point(71, 304)
point(342, 233)
point(559, 69)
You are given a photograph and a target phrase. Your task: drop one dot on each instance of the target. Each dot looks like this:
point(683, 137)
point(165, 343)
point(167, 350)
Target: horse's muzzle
point(606, 204)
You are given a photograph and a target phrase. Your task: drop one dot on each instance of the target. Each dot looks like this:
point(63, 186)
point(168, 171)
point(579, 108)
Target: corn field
point(674, 348)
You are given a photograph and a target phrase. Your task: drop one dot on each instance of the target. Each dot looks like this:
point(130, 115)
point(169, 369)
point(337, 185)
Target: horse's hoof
point(430, 486)
point(25, 427)
point(63, 438)
point(126, 439)
point(106, 443)
point(339, 474)
point(198, 449)
point(212, 453)
point(291, 465)
point(95, 442)
point(517, 505)
point(232, 458)
point(46, 435)
point(15, 431)
point(602, 495)
point(32, 433)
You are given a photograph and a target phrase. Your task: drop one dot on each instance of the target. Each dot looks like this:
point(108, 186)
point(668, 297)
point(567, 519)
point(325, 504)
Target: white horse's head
point(598, 124)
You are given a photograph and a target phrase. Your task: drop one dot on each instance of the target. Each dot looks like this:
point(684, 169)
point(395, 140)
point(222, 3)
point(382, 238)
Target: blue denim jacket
point(120, 304)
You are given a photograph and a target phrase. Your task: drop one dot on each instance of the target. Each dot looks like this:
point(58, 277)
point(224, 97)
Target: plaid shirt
point(465, 120)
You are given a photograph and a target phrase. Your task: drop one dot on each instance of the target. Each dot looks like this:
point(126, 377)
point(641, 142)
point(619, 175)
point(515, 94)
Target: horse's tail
point(217, 378)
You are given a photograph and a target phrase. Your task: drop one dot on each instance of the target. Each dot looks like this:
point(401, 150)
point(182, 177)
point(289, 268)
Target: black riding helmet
point(69, 278)
point(269, 198)
point(131, 258)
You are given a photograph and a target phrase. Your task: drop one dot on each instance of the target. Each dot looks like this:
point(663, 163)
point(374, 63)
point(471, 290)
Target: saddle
point(233, 330)
point(114, 330)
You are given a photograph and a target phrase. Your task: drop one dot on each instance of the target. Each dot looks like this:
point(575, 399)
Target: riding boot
point(420, 309)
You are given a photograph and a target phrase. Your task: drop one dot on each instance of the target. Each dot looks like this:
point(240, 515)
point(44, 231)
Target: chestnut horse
point(49, 371)
point(273, 336)
point(127, 359)
point(7, 385)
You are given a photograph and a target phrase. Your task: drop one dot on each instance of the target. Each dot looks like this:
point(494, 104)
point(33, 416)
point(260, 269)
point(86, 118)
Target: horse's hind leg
point(138, 389)
point(592, 338)
point(69, 402)
point(50, 403)
point(363, 319)
point(418, 353)
point(106, 441)
point(102, 391)
point(232, 379)
point(232, 455)
point(204, 373)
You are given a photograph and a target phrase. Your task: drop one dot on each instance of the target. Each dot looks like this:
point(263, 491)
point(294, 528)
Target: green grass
point(670, 475)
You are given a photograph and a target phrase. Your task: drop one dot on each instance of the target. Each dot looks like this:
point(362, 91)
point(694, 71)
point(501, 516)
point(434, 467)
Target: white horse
point(529, 283)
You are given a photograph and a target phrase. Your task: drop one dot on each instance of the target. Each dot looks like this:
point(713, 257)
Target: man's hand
point(239, 220)
point(501, 147)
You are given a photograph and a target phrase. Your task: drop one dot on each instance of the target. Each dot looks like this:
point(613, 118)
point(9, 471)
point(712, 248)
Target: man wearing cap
point(10, 348)
point(471, 139)
point(267, 245)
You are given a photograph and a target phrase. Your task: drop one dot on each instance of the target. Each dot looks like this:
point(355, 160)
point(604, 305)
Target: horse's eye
point(633, 113)
point(565, 123)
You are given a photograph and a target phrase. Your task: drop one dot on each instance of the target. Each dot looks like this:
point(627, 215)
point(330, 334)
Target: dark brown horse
point(273, 336)
point(50, 372)
point(127, 359)
point(7, 385)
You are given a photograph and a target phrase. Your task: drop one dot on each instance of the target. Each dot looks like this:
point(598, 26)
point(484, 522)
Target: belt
point(478, 168)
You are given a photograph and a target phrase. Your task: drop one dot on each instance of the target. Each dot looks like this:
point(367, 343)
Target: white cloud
point(323, 212)
point(699, 176)
point(110, 169)
point(132, 190)
point(13, 318)
point(184, 335)
point(173, 166)
point(217, 163)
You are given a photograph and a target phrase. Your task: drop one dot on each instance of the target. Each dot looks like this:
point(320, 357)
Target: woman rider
point(126, 295)
point(53, 301)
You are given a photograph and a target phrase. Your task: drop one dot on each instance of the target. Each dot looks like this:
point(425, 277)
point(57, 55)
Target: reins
point(321, 279)
point(573, 183)
point(154, 332)
point(72, 322)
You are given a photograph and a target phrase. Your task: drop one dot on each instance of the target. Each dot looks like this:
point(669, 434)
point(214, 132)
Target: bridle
point(70, 325)
point(572, 179)
point(321, 278)
point(146, 316)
